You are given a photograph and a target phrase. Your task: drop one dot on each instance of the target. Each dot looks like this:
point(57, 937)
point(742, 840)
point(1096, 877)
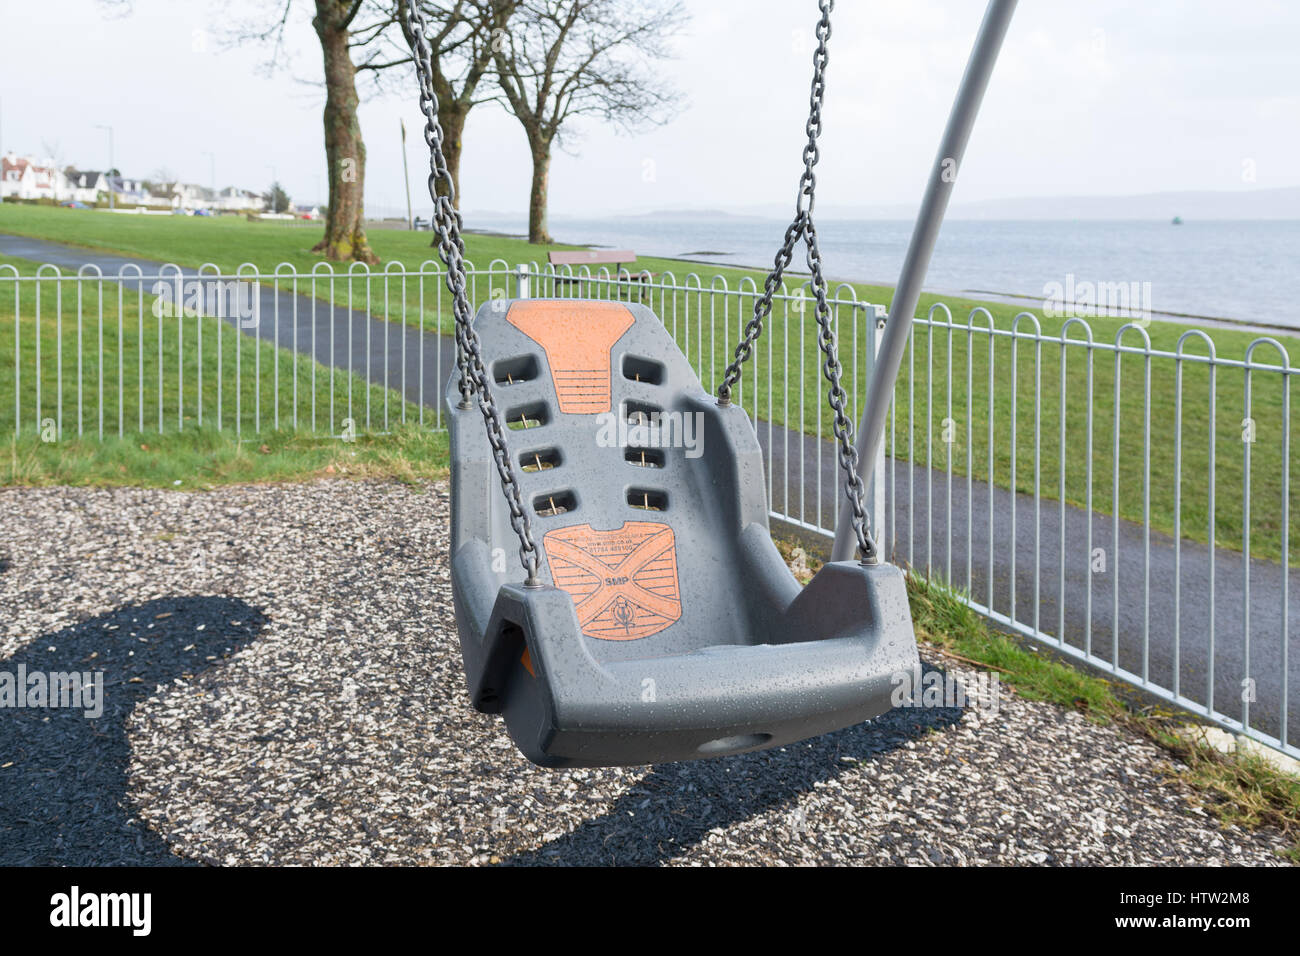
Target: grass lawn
point(204, 458)
point(136, 399)
point(783, 383)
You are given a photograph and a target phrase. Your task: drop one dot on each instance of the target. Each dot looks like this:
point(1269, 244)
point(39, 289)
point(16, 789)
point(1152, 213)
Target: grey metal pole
point(937, 192)
point(406, 179)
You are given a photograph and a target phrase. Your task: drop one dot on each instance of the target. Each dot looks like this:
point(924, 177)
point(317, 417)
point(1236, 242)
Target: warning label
point(623, 582)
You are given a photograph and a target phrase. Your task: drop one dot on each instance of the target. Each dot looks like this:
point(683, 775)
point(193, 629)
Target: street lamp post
point(406, 180)
point(112, 204)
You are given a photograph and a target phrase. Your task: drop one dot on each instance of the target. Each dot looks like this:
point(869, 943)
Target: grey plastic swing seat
point(667, 626)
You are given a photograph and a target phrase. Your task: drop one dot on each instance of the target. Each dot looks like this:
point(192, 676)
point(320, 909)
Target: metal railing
point(1126, 502)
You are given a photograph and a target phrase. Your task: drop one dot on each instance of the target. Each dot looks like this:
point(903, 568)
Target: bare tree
point(566, 58)
point(345, 150)
point(336, 25)
point(363, 37)
point(464, 35)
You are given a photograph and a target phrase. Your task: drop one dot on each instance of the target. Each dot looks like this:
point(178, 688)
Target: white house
point(23, 178)
point(16, 177)
point(86, 185)
point(190, 196)
point(240, 200)
point(134, 192)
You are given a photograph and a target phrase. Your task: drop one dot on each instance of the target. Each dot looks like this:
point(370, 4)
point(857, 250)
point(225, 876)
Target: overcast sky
point(1092, 97)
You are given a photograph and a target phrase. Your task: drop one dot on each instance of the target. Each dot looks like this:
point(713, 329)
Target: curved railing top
point(1248, 358)
point(1070, 323)
point(1016, 320)
point(1141, 329)
point(970, 319)
point(839, 296)
point(1194, 334)
point(929, 315)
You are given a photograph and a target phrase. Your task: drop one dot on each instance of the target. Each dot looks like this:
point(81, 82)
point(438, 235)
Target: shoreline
point(1187, 319)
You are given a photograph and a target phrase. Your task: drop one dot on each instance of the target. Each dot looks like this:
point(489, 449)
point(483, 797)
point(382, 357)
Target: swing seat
point(667, 626)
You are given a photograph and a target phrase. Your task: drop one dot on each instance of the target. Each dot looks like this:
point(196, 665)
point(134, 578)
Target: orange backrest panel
point(577, 337)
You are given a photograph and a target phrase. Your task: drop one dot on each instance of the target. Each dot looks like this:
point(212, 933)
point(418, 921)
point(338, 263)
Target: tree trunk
point(452, 116)
point(537, 198)
point(345, 234)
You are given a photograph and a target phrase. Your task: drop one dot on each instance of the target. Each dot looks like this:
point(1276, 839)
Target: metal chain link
point(802, 228)
point(451, 249)
point(855, 490)
point(804, 201)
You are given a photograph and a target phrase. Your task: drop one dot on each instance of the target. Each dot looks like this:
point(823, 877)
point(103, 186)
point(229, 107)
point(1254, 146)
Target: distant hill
point(1237, 204)
point(688, 215)
point(1190, 205)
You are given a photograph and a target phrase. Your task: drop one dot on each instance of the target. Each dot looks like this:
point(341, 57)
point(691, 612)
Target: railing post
point(522, 285)
point(876, 318)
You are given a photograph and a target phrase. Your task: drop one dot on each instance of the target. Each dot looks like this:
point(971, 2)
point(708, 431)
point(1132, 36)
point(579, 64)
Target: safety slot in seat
point(532, 415)
point(643, 370)
point(644, 457)
point(646, 499)
point(515, 371)
point(539, 459)
point(554, 504)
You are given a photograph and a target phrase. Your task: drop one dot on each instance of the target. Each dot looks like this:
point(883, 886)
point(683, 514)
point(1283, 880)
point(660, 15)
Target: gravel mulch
point(283, 686)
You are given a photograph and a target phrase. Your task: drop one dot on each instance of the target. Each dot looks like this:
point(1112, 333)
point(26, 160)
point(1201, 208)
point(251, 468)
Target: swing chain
point(451, 249)
point(802, 228)
point(805, 199)
point(836, 397)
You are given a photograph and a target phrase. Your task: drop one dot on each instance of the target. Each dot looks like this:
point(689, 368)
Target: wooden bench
point(598, 257)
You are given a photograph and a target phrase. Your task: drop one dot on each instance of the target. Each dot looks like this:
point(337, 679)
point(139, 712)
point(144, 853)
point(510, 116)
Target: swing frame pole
point(898, 327)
